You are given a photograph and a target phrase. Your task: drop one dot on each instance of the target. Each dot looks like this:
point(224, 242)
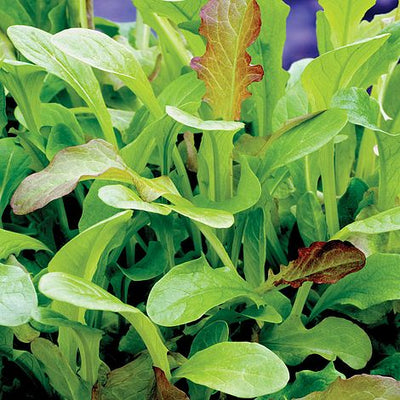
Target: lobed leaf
point(322, 262)
point(230, 27)
point(292, 342)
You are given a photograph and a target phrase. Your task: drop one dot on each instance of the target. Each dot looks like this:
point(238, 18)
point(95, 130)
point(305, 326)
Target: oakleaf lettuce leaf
point(230, 27)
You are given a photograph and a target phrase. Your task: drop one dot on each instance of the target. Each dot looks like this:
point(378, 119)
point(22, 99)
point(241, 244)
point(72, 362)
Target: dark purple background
point(301, 41)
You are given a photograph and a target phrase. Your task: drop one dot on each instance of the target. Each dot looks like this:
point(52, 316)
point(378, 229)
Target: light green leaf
point(310, 219)
point(361, 108)
point(239, 369)
point(25, 81)
point(100, 51)
point(303, 139)
point(189, 290)
point(389, 147)
point(386, 221)
point(337, 69)
point(292, 342)
point(82, 293)
point(344, 17)
point(254, 248)
point(267, 50)
point(36, 46)
point(17, 296)
point(197, 123)
point(377, 282)
point(122, 197)
point(14, 243)
point(247, 194)
point(62, 377)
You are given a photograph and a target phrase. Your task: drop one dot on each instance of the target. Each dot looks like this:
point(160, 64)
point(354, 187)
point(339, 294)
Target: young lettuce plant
point(211, 178)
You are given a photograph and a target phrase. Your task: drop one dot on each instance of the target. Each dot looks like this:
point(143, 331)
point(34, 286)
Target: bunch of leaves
point(182, 218)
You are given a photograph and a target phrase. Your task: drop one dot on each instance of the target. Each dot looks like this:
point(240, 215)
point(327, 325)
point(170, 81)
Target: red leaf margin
point(211, 18)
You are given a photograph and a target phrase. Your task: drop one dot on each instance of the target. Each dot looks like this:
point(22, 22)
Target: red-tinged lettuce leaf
point(322, 262)
point(359, 387)
point(230, 27)
point(165, 390)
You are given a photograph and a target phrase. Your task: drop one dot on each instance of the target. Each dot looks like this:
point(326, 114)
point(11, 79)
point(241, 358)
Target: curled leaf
point(230, 27)
point(322, 262)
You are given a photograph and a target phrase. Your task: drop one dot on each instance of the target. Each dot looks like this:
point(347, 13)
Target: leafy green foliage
point(168, 195)
point(240, 369)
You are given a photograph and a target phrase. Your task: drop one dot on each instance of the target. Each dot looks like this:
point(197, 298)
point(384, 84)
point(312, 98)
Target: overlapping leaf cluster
point(182, 218)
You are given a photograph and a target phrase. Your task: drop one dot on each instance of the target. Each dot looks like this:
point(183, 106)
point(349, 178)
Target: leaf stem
point(327, 165)
point(301, 298)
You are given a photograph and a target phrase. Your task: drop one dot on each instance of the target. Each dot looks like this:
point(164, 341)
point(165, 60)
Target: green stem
point(301, 298)
point(63, 219)
point(327, 165)
point(216, 245)
point(142, 33)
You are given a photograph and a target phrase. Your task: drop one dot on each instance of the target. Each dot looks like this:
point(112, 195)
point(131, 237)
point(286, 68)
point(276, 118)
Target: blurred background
point(301, 40)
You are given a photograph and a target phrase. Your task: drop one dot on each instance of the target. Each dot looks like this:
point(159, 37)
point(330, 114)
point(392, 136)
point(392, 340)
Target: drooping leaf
point(62, 377)
point(344, 17)
point(197, 123)
point(36, 46)
point(240, 369)
point(359, 387)
point(100, 51)
point(189, 290)
point(230, 27)
point(165, 390)
point(17, 296)
point(14, 243)
point(94, 159)
point(364, 289)
point(85, 294)
point(292, 342)
point(122, 197)
point(120, 384)
point(322, 262)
